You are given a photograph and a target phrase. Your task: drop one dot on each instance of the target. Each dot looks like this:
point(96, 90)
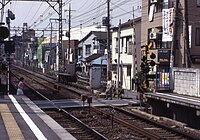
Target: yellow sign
point(150, 44)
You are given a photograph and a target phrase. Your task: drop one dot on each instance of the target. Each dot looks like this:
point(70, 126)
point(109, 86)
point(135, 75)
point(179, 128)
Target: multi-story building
point(173, 28)
point(92, 50)
point(28, 47)
point(124, 59)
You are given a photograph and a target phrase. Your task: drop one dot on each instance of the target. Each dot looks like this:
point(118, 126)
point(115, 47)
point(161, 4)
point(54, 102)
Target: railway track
point(74, 126)
point(106, 122)
point(111, 121)
point(69, 122)
point(46, 86)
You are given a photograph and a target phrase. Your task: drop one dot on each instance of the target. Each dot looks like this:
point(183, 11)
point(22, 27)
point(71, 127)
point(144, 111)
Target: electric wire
point(88, 16)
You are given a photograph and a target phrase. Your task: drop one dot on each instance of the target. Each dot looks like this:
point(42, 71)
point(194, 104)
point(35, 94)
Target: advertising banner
point(167, 24)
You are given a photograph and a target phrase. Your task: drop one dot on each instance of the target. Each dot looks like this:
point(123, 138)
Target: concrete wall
point(186, 81)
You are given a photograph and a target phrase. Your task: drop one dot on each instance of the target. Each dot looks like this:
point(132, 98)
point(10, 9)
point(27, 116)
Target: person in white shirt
point(109, 88)
point(20, 86)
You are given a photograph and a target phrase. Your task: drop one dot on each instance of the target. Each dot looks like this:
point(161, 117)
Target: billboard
point(167, 24)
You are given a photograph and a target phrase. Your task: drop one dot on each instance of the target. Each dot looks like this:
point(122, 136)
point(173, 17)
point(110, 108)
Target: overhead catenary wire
point(111, 8)
point(27, 14)
point(88, 17)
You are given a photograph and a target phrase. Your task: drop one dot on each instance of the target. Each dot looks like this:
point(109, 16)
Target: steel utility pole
point(118, 60)
point(108, 41)
point(68, 54)
point(59, 12)
point(2, 10)
point(68, 34)
point(174, 37)
point(60, 47)
point(8, 69)
point(134, 54)
point(187, 51)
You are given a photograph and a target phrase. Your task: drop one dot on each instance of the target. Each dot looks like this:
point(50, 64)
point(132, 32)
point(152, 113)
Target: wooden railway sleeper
point(140, 130)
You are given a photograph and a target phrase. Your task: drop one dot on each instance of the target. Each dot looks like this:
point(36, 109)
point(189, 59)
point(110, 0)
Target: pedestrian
point(141, 90)
point(20, 86)
point(109, 88)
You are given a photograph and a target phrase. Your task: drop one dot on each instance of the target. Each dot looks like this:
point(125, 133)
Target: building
point(126, 53)
point(71, 50)
point(48, 50)
point(173, 28)
point(26, 47)
point(92, 51)
point(80, 32)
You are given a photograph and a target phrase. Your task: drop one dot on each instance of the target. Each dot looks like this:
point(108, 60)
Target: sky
point(84, 13)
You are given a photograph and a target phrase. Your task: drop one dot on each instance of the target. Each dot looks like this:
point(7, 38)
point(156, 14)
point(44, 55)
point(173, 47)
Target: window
point(158, 7)
point(80, 51)
point(128, 70)
point(122, 45)
point(198, 3)
point(116, 47)
point(102, 46)
point(122, 42)
point(128, 40)
point(114, 68)
point(197, 37)
point(88, 51)
point(171, 3)
point(155, 6)
point(96, 47)
point(166, 45)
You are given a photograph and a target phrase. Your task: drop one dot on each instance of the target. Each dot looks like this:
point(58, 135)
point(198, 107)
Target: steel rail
point(192, 137)
point(135, 128)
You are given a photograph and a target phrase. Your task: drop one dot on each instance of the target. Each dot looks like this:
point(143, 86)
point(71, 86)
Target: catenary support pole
point(174, 40)
point(118, 60)
point(68, 54)
point(108, 41)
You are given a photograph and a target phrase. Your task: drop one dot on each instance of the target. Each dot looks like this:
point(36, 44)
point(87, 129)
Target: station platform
point(181, 108)
point(21, 119)
point(188, 101)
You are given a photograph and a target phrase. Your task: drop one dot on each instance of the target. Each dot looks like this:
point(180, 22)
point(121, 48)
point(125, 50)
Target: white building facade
point(125, 54)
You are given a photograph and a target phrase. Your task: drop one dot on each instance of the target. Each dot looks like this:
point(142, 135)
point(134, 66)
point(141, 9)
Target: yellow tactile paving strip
point(14, 132)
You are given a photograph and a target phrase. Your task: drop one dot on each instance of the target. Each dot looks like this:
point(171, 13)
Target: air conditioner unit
point(153, 1)
point(152, 35)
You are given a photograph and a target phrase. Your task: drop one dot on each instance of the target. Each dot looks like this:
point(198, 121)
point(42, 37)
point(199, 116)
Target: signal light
point(152, 56)
point(4, 32)
point(146, 69)
point(147, 64)
point(142, 65)
point(11, 15)
point(144, 58)
point(152, 63)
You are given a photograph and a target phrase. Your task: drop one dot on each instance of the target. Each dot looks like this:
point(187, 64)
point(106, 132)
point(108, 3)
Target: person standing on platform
point(20, 86)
